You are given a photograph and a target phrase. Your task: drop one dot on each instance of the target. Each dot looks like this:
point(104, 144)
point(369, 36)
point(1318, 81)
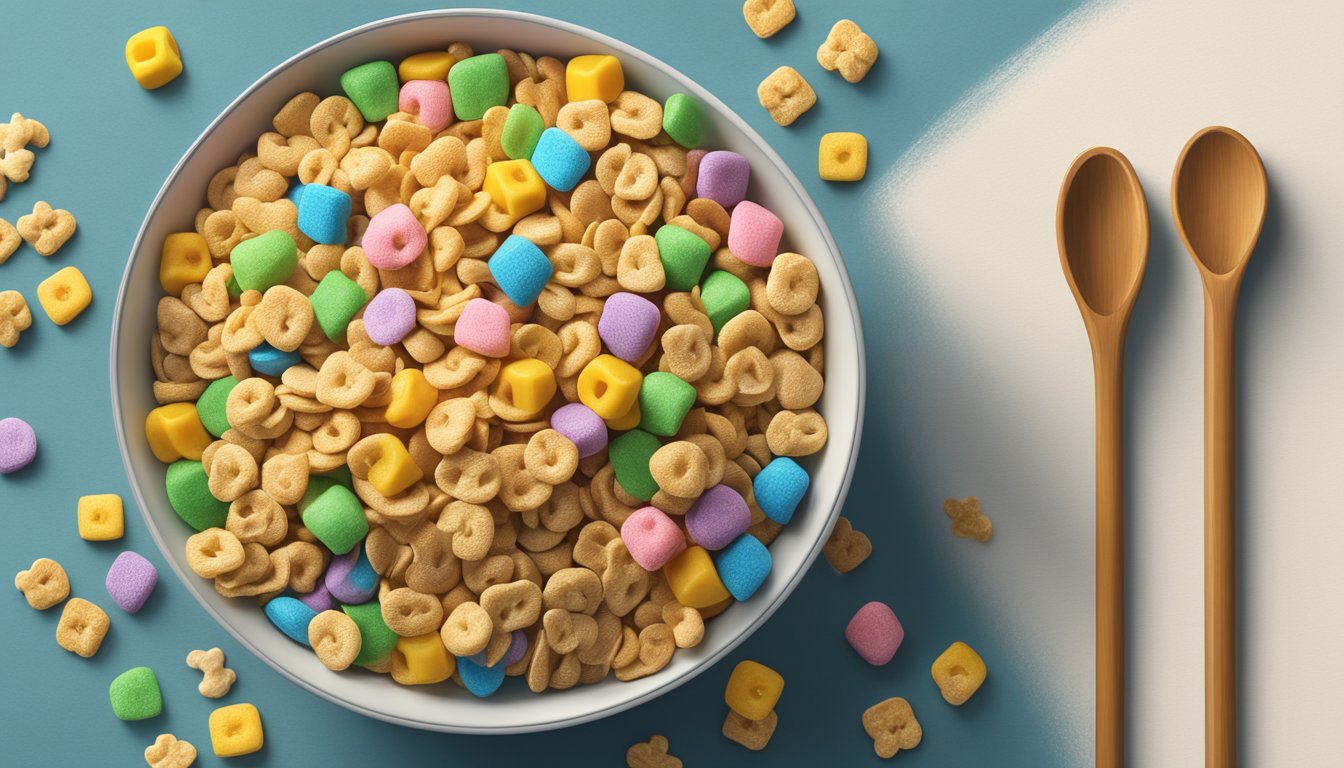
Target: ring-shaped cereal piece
point(467, 629)
point(469, 475)
point(518, 489)
point(410, 613)
point(283, 318)
point(471, 528)
point(551, 457)
point(335, 638)
point(233, 472)
point(686, 352)
point(512, 606)
point(680, 468)
point(796, 433)
point(342, 382)
point(213, 551)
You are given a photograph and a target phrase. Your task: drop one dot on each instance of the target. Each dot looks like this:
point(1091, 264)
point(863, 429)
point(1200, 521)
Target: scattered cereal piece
point(651, 754)
point(168, 751)
point(18, 445)
point(9, 236)
point(892, 726)
point(779, 487)
point(15, 317)
point(842, 156)
point(64, 295)
point(335, 638)
point(82, 627)
point(846, 548)
point(959, 672)
point(373, 87)
point(135, 694)
point(47, 228)
point(236, 730)
point(753, 690)
point(743, 566)
point(217, 679)
point(44, 584)
point(849, 50)
point(968, 521)
point(594, 76)
point(785, 95)
point(875, 633)
point(131, 580)
point(101, 517)
point(153, 57)
point(477, 84)
point(766, 17)
point(752, 734)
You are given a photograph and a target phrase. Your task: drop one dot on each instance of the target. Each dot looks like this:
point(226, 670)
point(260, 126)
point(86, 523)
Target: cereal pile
point(483, 369)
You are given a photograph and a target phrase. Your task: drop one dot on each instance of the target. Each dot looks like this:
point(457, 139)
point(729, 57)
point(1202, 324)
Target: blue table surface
point(113, 144)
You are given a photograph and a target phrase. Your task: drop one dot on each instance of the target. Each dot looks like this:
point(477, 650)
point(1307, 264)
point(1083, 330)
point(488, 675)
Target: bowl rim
point(706, 97)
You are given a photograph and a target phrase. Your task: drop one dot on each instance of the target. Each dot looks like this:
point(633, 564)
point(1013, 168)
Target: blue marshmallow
point(743, 566)
point(291, 616)
point(520, 269)
point(295, 193)
point(778, 487)
point(559, 159)
point(478, 678)
point(268, 360)
point(323, 212)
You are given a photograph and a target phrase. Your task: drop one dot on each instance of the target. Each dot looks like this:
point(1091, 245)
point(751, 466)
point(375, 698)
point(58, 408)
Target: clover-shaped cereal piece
point(21, 131)
point(651, 754)
point(168, 751)
point(968, 520)
point(846, 548)
point(892, 726)
point(217, 679)
point(47, 229)
point(82, 627)
point(848, 49)
point(15, 317)
point(785, 95)
point(44, 584)
point(766, 17)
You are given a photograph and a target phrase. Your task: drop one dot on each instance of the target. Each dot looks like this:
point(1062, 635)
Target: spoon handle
point(1220, 651)
point(1109, 371)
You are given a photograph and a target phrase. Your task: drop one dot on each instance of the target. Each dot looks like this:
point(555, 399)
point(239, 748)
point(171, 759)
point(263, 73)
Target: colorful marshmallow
point(350, 577)
point(664, 401)
point(323, 213)
point(582, 426)
point(336, 301)
point(389, 316)
point(265, 260)
point(723, 177)
point(291, 616)
point(131, 580)
point(559, 160)
point(717, 517)
point(18, 445)
point(520, 269)
point(754, 233)
point(483, 328)
point(135, 694)
point(684, 255)
point(743, 566)
point(628, 325)
point(373, 89)
point(652, 538)
point(477, 84)
point(875, 633)
point(779, 487)
point(394, 237)
point(430, 101)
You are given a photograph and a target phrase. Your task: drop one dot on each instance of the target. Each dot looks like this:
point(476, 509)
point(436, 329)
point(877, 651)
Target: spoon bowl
point(1219, 194)
point(1103, 231)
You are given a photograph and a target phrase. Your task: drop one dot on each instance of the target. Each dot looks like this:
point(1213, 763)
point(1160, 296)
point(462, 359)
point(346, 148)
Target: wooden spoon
point(1102, 229)
point(1218, 196)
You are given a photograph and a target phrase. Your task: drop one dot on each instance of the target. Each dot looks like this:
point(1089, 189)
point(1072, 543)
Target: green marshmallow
point(682, 120)
point(235, 290)
point(522, 131)
point(374, 88)
point(336, 301)
point(684, 255)
point(135, 694)
point(265, 260)
point(724, 296)
point(211, 406)
point(664, 401)
point(334, 515)
point(477, 84)
point(189, 495)
point(377, 640)
point(629, 454)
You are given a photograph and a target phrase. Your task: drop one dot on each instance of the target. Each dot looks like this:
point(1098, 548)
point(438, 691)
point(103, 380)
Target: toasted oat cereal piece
point(168, 751)
point(9, 237)
point(968, 521)
point(217, 679)
point(848, 50)
point(335, 638)
point(846, 548)
point(651, 754)
point(766, 17)
point(892, 726)
point(15, 317)
point(82, 627)
point(46, 229)
point(44, 584)
point(785, 95)
point(752, 734)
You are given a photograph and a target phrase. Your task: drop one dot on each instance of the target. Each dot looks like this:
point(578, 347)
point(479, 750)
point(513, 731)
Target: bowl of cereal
point(486, 373)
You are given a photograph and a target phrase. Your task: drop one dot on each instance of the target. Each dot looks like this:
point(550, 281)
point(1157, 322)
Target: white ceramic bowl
point(445, 707)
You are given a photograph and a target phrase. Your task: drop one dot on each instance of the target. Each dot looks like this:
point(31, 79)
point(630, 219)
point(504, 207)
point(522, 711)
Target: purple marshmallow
point(717, 517)
point(628, 325)
point(319, 599)
point(582, 426)
point(350, 578)
point(389, 316)
point(723, 177)
point(517, 648)
point(18, 445)
point(131, 580)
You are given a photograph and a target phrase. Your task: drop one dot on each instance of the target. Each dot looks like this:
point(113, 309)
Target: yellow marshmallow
point(594, 77)
point(153, 57)
point(185, 260)
point(236, 730)
point(842, 156)
point(101, 517)
point(515, 187)
point(529, 384)
point(64, 295)
point(429, 65)
point(629, 421)
point(422, 660)
point(694, 580)
point(610, 386)
point(959, 672)
point(753, 690)
point(174, 431)
point(393, 471)
point(413, 397)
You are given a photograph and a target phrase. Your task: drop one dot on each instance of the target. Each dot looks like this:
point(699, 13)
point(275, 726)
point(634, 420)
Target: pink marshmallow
point(753, 234)
point(652, 538)
point(428, 100)
point(483, 327)
point(394, 238)
point(875, 633)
